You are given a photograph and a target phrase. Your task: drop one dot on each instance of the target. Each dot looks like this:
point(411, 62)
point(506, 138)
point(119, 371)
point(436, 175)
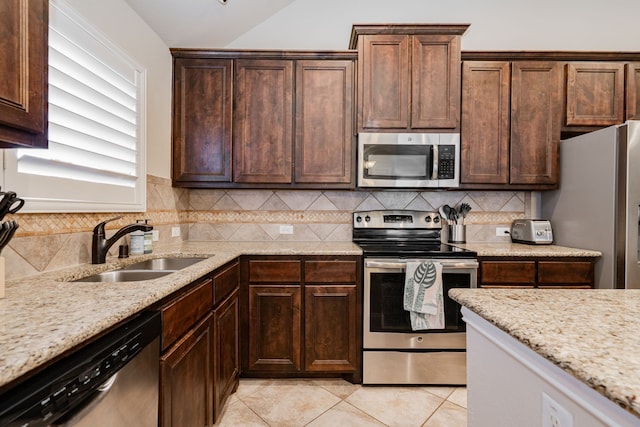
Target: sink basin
point(167, 264)
point(124, 276)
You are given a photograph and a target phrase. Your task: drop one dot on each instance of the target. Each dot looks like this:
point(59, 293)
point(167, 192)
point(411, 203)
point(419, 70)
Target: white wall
point(495, 24)
point(129, 32)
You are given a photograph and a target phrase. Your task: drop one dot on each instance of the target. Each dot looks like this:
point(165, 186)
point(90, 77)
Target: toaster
point(531, 231)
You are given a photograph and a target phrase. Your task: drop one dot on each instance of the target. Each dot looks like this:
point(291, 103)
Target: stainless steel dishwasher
point(111, 382)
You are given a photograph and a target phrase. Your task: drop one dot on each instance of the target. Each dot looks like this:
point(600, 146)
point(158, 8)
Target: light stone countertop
point(593, 334)
point(522, 250)
point(44, 316)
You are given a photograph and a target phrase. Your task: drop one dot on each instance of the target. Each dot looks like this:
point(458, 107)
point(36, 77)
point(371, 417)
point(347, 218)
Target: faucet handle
point(99, 229)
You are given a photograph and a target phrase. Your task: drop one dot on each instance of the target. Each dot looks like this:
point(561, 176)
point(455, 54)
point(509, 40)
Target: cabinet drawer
point(274, 271)
point(330, 271)
point(225, 282)
point(184, 312)
point(550, 272)
point(508, 272)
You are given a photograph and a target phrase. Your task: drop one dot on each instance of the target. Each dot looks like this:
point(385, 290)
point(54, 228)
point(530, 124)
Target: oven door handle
point(403, 265)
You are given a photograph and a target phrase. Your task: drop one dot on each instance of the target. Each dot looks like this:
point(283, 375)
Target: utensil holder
point(457, 233)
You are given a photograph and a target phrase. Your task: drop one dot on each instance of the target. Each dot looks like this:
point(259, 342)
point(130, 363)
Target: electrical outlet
point(175, 231)
point(286, 229)
point(155, 235)
point(502, 231)
point(554, 414)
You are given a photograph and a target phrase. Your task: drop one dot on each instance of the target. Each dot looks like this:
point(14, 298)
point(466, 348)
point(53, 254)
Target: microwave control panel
point(446, 161)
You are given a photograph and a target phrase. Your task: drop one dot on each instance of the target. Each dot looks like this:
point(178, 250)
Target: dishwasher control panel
point(42, 399)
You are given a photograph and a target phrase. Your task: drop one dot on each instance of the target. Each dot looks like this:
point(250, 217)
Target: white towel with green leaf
point(423, 294)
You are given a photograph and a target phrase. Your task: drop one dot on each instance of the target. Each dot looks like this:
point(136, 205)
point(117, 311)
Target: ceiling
point(204, 23)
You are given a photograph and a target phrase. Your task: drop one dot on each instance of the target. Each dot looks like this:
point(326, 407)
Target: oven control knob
point(427, 219)
point(367, 218)
point(358, 219)
point(436, 219)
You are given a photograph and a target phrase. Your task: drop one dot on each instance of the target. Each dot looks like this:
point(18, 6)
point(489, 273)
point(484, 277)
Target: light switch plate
point(156, 235)
point(175, 231)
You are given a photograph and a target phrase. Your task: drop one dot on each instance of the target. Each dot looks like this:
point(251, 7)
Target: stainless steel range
point(393, 352)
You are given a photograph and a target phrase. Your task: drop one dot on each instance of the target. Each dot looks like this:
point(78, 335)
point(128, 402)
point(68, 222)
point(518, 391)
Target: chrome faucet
point(100, 244)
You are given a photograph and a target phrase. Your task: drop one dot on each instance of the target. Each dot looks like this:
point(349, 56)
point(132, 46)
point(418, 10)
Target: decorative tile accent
point(51, 241)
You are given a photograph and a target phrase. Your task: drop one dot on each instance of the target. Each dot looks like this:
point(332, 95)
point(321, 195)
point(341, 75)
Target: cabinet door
point(435, 82)
point(633, 91)
point(384, 82)
point(226, 357)
point(263, 128)
point(23, 87)
point(595, 94)
point(275, 328)
point(485, 123)
point(186, 380)
point(324, 122)
point(535, 122)
point(202, 105)
point(330, 328)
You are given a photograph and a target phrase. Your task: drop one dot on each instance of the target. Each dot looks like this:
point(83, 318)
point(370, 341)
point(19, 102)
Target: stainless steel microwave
point(409, 160)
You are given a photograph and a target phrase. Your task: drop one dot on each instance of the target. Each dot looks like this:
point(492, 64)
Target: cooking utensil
point(443, 214)
point(10, 203)
point(7, 230)
point(447, 211)
point(464, 210)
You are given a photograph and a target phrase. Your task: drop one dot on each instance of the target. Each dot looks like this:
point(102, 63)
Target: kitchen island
point(572, 355)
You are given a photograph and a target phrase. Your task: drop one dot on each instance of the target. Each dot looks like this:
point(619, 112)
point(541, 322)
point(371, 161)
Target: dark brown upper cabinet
point(486, 120)
point(324, 122)
point(510, 131)
point(595, 94)
point(24, 26)
point(536, 105)
point(202, 105)
point(633, 91)
point(408, 77)
point(263, 119)
point(263, 141)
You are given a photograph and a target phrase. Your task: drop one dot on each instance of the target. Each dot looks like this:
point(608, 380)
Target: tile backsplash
point(51, 241)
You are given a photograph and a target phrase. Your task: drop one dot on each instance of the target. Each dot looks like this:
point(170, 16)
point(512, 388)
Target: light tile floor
point(335, 402)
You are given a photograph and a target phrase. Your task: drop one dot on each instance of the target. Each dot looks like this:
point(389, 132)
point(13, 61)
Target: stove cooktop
point(414, 249)
point(403, 233)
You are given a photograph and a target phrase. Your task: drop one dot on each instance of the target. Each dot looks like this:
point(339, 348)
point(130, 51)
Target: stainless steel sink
point(166, 264)
point(125, 276)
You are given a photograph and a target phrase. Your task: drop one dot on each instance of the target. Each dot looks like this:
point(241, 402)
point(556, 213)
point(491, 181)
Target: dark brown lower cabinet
point(522, 272)
point(185, 379)
point(200, 360)
point(275, 327)
point(226, 355)
point(330, 328)
point(302, 316)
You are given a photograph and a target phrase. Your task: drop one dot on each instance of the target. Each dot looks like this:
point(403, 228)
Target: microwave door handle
point(435, 156)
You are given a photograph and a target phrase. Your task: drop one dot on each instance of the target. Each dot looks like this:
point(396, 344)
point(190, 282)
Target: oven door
point(387, 325)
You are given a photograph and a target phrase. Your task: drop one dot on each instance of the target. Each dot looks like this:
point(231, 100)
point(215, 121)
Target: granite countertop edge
point(522, 250)
point(594, 339)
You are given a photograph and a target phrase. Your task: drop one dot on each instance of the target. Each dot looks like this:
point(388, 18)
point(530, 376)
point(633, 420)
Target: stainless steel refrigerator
point(597, 205)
